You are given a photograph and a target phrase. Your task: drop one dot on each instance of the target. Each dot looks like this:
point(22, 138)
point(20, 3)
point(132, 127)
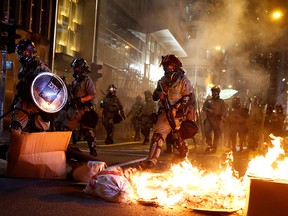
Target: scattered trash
point(111, 185)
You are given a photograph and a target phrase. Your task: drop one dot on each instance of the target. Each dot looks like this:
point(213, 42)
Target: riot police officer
point(173, 93)
point(134, 113)
point(237, 124)
point(83, 115)
point(215, 109)
point(26, 115)
point(147, 116)
point(113, 112)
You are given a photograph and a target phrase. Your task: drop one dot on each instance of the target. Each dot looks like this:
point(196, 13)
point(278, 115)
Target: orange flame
point(188, 186)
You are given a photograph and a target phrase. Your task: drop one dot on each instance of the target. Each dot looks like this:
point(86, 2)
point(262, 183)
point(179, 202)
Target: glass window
point(45, 11)
point(25, 14)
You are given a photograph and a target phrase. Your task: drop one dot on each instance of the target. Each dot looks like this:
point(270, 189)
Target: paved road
point(20, 196)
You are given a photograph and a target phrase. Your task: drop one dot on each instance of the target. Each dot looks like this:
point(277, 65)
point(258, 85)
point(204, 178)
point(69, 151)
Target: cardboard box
point(267, 198)
point(39, 165)
point(27, 143)
point(38, 155)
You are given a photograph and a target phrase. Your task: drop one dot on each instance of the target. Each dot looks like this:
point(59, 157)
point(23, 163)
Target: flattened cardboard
point(27, 143)
point(50, 165)
point(267, 198)
point(38, 155)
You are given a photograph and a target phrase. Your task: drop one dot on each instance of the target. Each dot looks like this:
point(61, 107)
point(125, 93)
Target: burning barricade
point(186, 185)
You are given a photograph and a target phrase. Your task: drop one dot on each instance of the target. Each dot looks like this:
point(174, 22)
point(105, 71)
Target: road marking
point(124, 150)
point(110, 145)
point(128, 154)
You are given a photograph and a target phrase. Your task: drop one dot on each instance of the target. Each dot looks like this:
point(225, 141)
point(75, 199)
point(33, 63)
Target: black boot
point(75, 137)
point(146, 141)
point(91, 141)
point(145, 165)
point(93, 152)
point(108, 141)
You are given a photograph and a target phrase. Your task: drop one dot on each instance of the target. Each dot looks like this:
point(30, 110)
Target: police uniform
point(81, 114)
point(134, 112)
point(147, 116)
point(26, 115)
point(215, 109)
point(112, 113)
point(177, 89)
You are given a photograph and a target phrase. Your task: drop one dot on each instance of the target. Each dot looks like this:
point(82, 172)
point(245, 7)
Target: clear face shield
point(27, 56)
point(215, 94)
point(111, 90)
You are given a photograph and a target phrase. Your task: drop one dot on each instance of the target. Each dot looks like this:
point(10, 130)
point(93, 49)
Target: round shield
point(49, 92)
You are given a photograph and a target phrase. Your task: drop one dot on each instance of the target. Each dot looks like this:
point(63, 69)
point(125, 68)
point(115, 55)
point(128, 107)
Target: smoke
point(245, 31)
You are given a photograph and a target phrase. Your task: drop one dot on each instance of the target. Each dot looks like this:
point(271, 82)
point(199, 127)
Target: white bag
point(111, 185)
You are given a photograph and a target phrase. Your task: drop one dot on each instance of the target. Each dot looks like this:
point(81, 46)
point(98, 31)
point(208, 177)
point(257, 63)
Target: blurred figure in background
point(279, 119)
point(236, 120)
point(135, 118)
point(113, 112)
point(268, 123)
point(256, 116)
point(147, 116)
point(215, 109)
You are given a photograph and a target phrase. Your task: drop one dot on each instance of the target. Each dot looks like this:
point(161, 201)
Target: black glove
point(77, 101)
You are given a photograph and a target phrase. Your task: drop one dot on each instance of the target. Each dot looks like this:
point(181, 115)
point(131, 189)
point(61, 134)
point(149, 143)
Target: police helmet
point(139, 98)
point(170, 63)
point(26, 51)
point(148, 93)
point(80, 68)
point(215, 89)
point(111, 88)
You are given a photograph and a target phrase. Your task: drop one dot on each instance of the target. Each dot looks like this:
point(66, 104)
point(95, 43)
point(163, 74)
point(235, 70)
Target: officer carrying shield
point(26, 115)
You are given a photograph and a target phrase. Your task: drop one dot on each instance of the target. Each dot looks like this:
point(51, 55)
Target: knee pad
point(155, 148)
point(156, 137)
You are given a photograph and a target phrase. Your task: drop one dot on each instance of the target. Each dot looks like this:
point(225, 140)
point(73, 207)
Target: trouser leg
point(91, 141)
point(154, 152)
point(75, 136)
point(146, 132)
point(169, 143)
point(208, 134)
point(155, 148)
point(109, 126)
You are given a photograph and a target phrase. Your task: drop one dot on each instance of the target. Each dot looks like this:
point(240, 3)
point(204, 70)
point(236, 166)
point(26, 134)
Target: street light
point(277, 15)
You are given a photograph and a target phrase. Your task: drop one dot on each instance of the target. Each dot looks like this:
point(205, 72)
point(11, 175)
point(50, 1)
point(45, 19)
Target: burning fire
point(188, 186)
point(273, 164)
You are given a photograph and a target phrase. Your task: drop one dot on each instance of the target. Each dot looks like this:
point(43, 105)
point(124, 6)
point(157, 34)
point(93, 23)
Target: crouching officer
point(26, 115)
